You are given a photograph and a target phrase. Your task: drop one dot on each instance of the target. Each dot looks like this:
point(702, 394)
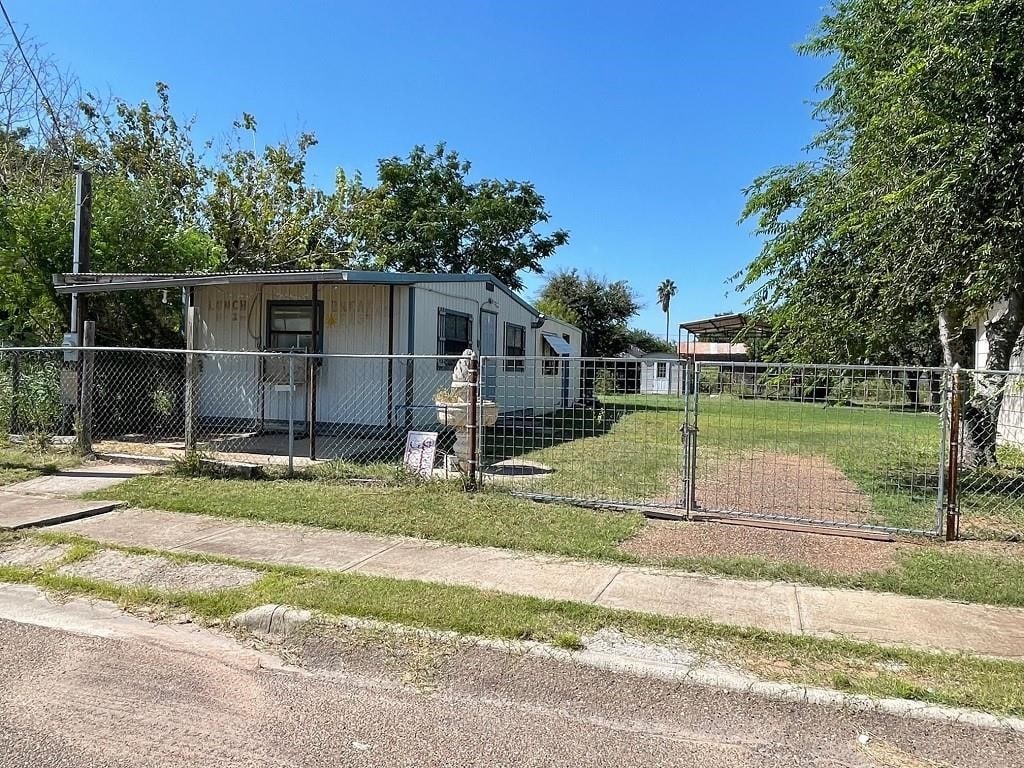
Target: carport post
point(314, 365)
point(472, 421)
point(190, 371)
point(84, 425)
point(291, 414)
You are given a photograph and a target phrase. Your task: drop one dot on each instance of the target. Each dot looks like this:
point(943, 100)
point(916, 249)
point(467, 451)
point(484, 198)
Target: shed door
point(489, 348)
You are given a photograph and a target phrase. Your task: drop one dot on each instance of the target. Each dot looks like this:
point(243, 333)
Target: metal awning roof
point(726, 324)
point(106, 282)
point(109, 282)
point(560, 346)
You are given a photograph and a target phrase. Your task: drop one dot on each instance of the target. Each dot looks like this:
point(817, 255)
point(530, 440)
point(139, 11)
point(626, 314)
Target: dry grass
point(662, 540)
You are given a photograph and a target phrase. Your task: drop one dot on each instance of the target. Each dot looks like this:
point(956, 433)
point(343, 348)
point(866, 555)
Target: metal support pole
point(88, 368)
point(953, 471)
point(190, 372)
point(314, 369)
point(471, 420)
point(80, 252)
point(291, 414)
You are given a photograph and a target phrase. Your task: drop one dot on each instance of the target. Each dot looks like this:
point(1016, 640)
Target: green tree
point(263, 214)
point(424, 215)
point(646, 341)
point(908, 218)
point(133, 231)
point(666, 292)
point(600, 308)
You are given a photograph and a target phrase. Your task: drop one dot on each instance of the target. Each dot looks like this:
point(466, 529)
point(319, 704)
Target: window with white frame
point(515, 347)
point(661, 370)
point(454, 335)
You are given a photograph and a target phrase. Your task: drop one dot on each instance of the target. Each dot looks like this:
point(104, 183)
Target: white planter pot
point(456, 414)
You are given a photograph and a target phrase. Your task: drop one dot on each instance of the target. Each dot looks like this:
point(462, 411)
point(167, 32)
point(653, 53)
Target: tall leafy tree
point(666, 292)
point(425, 215)
point(646, 341)
point(601, 308)
point(909, 216)
point(264, 214)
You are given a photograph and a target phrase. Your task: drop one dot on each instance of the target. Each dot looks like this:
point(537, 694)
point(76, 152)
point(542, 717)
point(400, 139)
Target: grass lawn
point(17, 464)
point(494, 518)
point(630, 450)
point(951, 679)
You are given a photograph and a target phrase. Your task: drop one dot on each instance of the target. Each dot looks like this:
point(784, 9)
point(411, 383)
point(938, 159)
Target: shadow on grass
point(517, 435)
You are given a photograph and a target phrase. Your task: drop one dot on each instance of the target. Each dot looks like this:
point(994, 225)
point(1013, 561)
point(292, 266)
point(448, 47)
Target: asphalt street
point(69, 700)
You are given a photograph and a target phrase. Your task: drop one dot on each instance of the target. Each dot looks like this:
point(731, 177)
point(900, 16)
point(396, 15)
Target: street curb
point(723, 679)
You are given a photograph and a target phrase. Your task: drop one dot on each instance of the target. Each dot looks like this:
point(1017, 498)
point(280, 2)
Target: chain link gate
point(843, 447)
point(855, 447)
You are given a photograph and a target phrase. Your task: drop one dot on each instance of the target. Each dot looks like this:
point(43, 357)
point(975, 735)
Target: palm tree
point(666, 291)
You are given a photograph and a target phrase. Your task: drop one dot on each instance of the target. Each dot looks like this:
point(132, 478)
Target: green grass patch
point(951, 679)
point(630, 448)
point(493, 518)
point(18, 464)
point(427, 510)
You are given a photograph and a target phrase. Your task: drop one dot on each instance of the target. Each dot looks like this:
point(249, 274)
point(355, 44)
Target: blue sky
point(639, 122)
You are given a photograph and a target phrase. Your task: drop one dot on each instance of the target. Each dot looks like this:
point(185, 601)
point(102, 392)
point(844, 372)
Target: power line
point(39, 87)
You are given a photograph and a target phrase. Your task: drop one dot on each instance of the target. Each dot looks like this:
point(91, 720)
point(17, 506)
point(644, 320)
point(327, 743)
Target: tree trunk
point(986, 388)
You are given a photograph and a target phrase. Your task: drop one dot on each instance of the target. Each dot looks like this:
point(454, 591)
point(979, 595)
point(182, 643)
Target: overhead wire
point(39, 87)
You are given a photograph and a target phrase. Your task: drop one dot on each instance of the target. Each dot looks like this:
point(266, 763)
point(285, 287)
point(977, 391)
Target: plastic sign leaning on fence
point(420, 451)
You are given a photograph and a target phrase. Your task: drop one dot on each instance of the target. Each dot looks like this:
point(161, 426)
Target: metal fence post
point(85, 386)
point(691, 489)
point(15, 419)
point(953, 458)
point(472, 430)
point(945, 405)
point(291, 414)
point(190, 376)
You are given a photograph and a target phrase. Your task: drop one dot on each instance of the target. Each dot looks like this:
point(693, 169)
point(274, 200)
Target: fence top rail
point(736, 365)
point(224, 353)
point(728, 363)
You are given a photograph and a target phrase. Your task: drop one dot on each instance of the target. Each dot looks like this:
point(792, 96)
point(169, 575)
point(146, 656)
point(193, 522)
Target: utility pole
point(80, 255)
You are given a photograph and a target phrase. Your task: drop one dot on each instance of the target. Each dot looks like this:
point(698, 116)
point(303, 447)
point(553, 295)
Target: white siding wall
point(356, 322)
point(551, 396)
point(1011, 416)
point(516, 390)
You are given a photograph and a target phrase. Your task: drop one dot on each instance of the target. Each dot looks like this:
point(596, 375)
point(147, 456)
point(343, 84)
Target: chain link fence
point(235, 406)
point(602, 432)
point(841, 446)
point(989, 491)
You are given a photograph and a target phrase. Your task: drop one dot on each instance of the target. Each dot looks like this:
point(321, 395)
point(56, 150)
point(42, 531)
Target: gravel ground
point(32, 555)
point(153, 571)
point(835, 554)
point(786, 484)
point(128, 703)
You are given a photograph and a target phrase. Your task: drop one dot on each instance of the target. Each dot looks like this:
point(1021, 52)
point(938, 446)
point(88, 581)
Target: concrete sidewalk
point(780, 607)
point(50, 499)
